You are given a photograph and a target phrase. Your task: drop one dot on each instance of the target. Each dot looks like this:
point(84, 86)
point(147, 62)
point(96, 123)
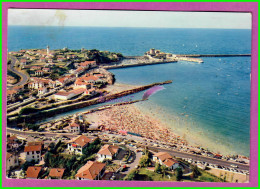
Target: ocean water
point(208, 104)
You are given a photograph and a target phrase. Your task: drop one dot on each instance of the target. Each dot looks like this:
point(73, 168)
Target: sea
point(208, 104)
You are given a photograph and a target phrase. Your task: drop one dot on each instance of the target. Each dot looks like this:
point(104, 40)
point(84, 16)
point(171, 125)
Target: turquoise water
point(208, 103)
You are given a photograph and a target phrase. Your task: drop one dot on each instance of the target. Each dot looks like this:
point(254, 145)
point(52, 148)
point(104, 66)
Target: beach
point(130, 118)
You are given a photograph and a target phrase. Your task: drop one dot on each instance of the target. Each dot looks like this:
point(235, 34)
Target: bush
point(196, 172)
point(157, 168)
point(132, 175)
point(179, 174)
point(28, 110)
point(32, 127)
point(144, 161)
point(27, 164)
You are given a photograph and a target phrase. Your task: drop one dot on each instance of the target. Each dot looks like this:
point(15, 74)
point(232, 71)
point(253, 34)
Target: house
point(33, 68)
point(74, 128)
point(23, 61)
point(76, 145)
point(56, 173)
point(163, 158)
point(11, 161)
point(39, 73)
point(88, 64)
point(13, 143)
point(33, 172)
point(46, 70)
point(82, 83)
point(61, 59)
point(91, 171)
point(90, 92)
point(42, 59)
point(79, 71)
point(33, 151)
point(65, 80)
point(107, 152)
point(42, 91)
point(10, 94)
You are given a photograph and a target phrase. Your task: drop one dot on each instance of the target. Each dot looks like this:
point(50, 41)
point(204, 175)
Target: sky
point(106, 18)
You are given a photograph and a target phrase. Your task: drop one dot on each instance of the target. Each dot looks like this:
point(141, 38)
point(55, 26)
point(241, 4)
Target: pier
point(137, 64)
point(211, 55)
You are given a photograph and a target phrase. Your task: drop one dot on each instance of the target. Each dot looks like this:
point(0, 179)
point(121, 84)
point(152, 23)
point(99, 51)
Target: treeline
point(72, 163)
point(14, 75)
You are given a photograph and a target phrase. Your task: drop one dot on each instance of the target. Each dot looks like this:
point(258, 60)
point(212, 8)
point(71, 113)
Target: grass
point(207, 177)
point(145, 174)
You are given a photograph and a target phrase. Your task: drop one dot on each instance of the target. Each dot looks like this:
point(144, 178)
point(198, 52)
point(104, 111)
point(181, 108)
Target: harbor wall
point(31, 118)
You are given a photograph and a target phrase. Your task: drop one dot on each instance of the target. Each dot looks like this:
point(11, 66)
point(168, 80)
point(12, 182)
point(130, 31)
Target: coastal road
point(24, 77)
point(202, 158)
point(170, 151)
point(46, 134)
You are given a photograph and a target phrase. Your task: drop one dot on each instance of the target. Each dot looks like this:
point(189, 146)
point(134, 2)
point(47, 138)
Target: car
point(235, 166)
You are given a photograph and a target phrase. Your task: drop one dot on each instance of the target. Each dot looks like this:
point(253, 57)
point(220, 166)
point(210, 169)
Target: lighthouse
point(48, 49)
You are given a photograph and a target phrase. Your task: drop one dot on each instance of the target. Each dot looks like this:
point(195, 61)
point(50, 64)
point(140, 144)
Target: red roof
point(81, 140)
point(31, 148)
point(56, 172)
point(33, 172)
point(8, 155)
point(74, 125)
point(90, 170)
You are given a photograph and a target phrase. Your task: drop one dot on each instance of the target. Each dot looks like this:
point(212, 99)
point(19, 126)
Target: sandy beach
point(130, 118)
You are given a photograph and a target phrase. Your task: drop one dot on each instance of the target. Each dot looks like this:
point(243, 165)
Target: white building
point(107, 152)
point(74, 128)
point(11, 161)
point(39, 73)
point(76, 145)
point(163, 158)
point(42, 91)
point(63, 95)
point(33, 151)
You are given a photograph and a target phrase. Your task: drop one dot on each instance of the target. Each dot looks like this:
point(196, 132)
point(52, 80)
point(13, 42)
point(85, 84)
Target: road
point(202, 158)
point(137, 158)
point(24, 77)
point(170, 151)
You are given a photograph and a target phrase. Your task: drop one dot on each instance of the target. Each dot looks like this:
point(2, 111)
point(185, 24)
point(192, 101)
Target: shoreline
point(121, 117)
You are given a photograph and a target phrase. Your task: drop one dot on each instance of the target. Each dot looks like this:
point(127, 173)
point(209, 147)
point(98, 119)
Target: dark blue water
point(208, 102)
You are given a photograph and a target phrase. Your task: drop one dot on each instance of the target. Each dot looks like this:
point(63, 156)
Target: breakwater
point(211, 55)
point(135, 65)
point(34, 117)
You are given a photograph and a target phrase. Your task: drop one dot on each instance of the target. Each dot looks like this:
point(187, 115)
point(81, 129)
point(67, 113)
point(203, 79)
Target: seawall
point(31, 118)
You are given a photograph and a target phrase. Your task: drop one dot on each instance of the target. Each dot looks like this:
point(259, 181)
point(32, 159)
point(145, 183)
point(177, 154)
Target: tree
point(132, 175)
point(195, 171)
point(27, 164)
point(163, 169)
point(144, 162)
point(179, 174)
point(157, 168)
point(28, 110)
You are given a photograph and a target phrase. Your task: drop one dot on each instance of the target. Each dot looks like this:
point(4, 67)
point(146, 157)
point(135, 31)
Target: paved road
point(24, 77)
point(202, 158)
point(170, 151)
point(46, 134)
point(137, 157)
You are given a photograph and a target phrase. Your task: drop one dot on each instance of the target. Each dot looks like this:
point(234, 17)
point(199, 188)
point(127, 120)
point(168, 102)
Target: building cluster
point(157, 54)
point(35, 151)
point(84, 76)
